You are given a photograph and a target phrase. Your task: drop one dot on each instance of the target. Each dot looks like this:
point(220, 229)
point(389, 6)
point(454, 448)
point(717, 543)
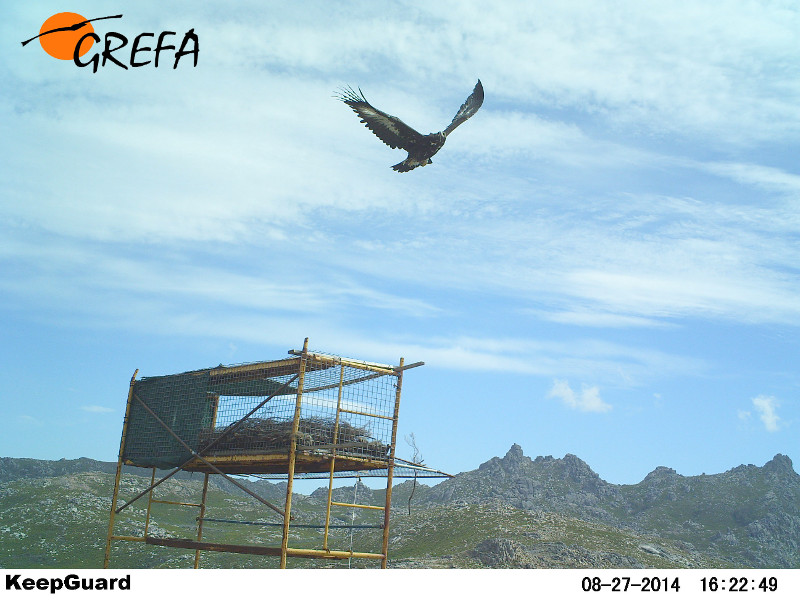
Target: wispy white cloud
point(767, 407)
point(76, 286)
point(638, 264)
point(770, 178)
point(587, 317)
point(73, 275)
point(261, 212)
point(94, 408)
point(655, 67)
point(588, 400)
point(616, 364)
point(661, 67)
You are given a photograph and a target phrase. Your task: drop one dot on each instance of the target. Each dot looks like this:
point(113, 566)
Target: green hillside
point(511, 512)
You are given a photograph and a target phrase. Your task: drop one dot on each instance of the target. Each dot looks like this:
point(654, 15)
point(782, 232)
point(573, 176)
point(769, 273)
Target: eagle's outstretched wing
point(469, 108)
point(391, 130)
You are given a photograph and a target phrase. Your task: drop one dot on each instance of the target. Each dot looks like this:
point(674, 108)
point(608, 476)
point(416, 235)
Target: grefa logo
point(70, 36)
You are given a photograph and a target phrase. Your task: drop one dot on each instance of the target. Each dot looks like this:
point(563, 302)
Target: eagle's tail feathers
point(404, 166)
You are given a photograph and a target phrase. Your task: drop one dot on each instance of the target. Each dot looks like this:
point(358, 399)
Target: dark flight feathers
point(469, 108)
point(396, 134)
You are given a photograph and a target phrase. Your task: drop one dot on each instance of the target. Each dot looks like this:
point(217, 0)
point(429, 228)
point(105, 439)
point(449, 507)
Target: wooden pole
point(119, 472)
point(390, 470)
point(149, 503)
point(200, 521)
point(287, 512)
point(258, 550)
point(334, 441)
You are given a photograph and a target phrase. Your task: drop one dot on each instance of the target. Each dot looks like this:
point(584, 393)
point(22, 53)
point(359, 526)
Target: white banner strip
point(401, 584)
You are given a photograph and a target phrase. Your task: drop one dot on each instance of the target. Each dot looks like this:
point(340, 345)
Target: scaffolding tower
point(311, 415)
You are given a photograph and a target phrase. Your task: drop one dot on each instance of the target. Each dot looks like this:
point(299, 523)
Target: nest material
point(272, 435)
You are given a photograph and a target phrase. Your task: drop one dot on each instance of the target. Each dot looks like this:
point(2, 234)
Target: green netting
point(189, 404)
point(260, 387)
point(183, 403)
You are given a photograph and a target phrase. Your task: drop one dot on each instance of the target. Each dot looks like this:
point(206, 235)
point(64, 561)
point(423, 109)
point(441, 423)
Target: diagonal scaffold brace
point(198, 455)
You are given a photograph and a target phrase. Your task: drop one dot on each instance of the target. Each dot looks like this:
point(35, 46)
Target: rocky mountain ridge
point(510, 512)
point(749, 513)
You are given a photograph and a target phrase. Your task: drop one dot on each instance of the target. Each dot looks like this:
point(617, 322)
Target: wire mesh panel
point(255, 408)
point(182, 404)
point(347, 408)
point(343, 408)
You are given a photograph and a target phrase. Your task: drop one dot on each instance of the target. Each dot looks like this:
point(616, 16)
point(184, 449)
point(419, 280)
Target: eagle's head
point(435, 141)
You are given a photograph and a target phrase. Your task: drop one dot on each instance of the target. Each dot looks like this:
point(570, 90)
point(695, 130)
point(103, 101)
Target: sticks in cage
point(314, 433)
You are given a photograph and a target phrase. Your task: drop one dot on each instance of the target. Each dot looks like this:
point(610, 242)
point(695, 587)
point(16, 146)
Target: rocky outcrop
point(545, 483)
point(28, 468)
point(749, 514)
point(501, 553)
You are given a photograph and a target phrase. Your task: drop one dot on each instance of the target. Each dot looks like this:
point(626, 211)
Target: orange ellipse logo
point(64, 30)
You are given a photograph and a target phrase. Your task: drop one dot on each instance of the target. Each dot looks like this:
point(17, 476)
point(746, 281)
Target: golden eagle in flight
point(396, 134)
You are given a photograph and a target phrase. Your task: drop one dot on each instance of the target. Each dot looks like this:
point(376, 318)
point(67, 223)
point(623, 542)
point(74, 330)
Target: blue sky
point(603, 261)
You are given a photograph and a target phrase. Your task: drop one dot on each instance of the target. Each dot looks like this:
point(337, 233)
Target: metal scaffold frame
point(314, 439)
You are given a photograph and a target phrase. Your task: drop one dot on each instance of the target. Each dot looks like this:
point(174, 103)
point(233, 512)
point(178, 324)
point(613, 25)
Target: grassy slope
point(62, 522)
